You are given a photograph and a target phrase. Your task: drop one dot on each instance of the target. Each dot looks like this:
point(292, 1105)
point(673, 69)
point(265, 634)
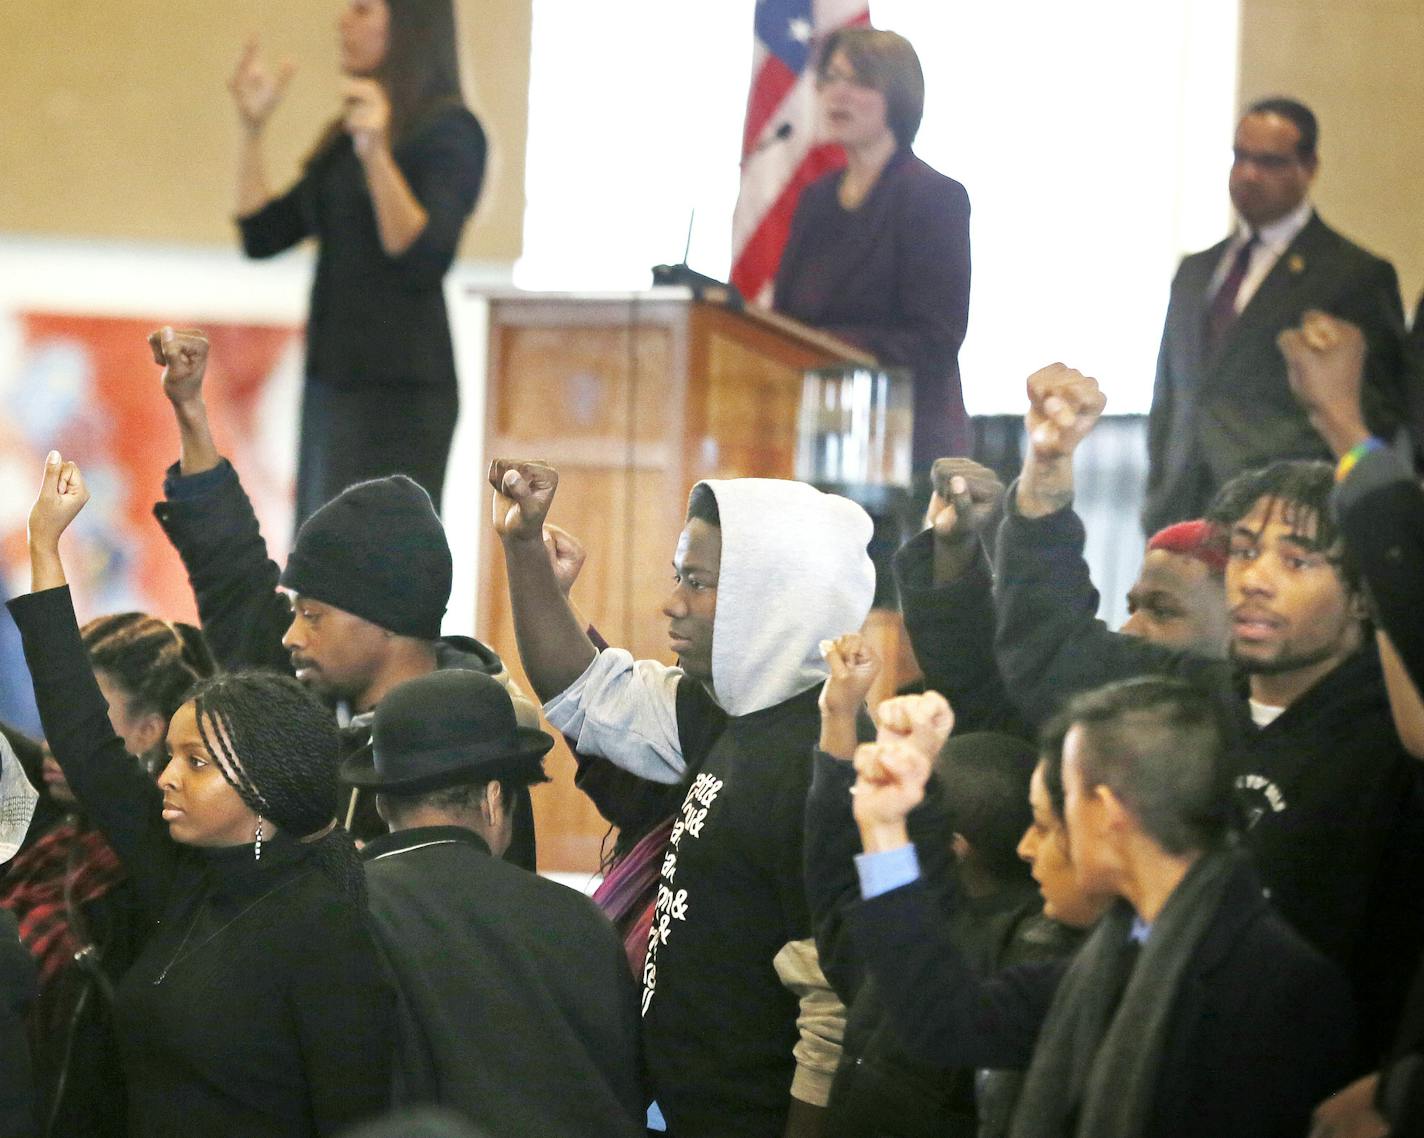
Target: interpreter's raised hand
point(566, 555)
point(966, 496)
point(854, 667)
point(1063, 406)
point(924, 721)
point(366, 114)
point(890, 782)
point(183, 355)
point(256, 89)
point(62, 495)
point(523, 492)
point(1325, 364)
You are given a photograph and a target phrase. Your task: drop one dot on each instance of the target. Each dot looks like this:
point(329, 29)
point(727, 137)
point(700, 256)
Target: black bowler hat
point(445, 728)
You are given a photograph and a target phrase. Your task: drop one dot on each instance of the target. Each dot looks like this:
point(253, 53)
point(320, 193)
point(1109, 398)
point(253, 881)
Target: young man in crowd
point(358, 608)
point(516, 1007)
point(763, 572)
point(946, 592)
point(1332, 803)
point(1191, 1010)
point(968, 836)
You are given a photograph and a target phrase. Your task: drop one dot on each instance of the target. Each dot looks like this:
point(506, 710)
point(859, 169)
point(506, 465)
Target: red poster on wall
point(87, 387)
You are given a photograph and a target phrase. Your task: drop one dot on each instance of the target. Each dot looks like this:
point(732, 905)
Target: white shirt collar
point(1278, 235)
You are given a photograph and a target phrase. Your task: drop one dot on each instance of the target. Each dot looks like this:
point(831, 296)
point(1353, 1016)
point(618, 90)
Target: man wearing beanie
point(369, 579)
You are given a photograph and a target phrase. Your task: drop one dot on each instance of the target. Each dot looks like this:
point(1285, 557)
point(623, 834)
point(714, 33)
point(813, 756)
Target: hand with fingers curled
point(183, 355)
point(966, 497)
point(523, 492)
point(854, 667)
point(256, 89)
point(566, 554)
point(1325, 365)
point(62, 495)
point(1064, 405)
point(890, 782)
point(924, 721)
point(366, 116)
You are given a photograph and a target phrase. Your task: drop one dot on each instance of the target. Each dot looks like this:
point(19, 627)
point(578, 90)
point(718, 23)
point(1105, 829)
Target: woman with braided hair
point(77, 911)
point(257, 1006)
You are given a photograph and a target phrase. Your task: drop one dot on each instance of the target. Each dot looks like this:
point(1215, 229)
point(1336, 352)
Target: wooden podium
point(634, 397)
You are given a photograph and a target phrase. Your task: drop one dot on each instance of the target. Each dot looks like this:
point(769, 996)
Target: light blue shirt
point(887, 870)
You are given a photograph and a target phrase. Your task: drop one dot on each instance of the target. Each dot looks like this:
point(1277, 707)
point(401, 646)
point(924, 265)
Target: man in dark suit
point(1221, 403)
point(516, 1005)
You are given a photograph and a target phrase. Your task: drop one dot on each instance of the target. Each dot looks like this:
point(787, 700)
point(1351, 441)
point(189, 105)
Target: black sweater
point(1333, 806)
point(377, 319)
point(257, 1007)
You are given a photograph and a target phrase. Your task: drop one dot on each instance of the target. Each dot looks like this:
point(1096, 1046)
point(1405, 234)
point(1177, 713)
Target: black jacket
point(257, 1007)
point(209, 519)
point(1215, 414)
point(1332, 806)
point(377, 319)
point(1260, 1033)
point(17, 990)
point(515, 1003)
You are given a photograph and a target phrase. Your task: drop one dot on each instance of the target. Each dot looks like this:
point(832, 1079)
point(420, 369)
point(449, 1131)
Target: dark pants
point(350, 434)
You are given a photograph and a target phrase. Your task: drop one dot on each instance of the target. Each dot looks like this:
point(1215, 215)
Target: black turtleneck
point(257, 1007)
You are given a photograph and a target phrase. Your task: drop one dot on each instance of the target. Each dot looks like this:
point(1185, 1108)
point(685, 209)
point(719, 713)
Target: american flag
point(777, 164)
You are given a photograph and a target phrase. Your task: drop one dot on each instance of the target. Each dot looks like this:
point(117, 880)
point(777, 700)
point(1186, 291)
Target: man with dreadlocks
point(1332, 804)
point(257, 1006)
point(369, 578)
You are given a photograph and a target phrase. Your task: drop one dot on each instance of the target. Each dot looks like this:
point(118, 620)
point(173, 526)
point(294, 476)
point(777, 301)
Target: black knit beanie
point(377, 550)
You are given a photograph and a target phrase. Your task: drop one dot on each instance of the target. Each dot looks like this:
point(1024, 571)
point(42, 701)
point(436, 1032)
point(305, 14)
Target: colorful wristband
point(1351, 457)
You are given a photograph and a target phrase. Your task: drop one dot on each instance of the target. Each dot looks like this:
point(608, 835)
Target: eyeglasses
point(1273, 163)
point(830, 78)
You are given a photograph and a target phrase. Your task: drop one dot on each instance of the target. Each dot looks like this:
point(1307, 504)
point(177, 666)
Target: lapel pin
point(1296, 264)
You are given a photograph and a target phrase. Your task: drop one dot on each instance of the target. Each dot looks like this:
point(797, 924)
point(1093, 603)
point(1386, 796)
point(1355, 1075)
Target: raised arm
point(1379, 504)
point(553, 645)
point(115, 791)
point(210, 522)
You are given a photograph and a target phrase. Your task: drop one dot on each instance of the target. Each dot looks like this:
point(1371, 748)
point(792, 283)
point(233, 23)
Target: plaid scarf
point(34, 889)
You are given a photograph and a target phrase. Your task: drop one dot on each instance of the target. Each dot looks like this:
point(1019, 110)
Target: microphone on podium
point(780, 134)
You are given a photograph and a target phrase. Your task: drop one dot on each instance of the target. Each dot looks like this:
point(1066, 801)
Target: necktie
point(1222, 312)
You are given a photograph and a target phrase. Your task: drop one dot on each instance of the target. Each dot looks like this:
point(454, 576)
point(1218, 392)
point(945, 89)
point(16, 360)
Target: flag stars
point(800, 30)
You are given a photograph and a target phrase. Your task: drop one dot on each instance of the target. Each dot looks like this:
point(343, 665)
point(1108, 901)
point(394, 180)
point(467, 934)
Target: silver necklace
point(180, 954)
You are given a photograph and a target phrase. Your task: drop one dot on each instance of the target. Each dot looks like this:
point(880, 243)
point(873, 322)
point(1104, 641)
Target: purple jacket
point(891, 276)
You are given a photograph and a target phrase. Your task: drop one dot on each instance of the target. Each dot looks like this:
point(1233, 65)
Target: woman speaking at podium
point(385, 191)
point(878, 252)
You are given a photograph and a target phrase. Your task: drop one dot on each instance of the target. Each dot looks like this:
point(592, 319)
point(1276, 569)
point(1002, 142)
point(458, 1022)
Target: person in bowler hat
point(516, 1008)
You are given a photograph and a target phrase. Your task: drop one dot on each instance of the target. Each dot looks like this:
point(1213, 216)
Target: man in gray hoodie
point(763, 572)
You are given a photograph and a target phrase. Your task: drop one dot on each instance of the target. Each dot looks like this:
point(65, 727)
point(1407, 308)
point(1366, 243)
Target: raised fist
point(184, 357)
point(62, 495)
point(966, 497)
point(566, 555)
point(256, 91)
point(1063, 406)
point(890, 782)
point(523, 492)
point(854, 667)
point(1325, 364)
point(923, 721)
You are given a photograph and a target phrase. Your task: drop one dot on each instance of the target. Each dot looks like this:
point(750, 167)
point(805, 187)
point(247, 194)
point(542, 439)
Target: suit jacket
point(515, 1003)
point(892, 277)
point(1215, 414)
point(1259, 1032)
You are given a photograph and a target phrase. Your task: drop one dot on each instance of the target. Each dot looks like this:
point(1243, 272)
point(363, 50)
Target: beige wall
point(1357, 63)
point(117, 121)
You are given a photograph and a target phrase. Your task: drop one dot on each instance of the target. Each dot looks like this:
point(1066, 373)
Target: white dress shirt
point(1272, 240)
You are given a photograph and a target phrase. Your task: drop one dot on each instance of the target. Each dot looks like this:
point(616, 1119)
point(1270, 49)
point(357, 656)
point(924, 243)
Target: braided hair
point(278, 747)
point(154, 663)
